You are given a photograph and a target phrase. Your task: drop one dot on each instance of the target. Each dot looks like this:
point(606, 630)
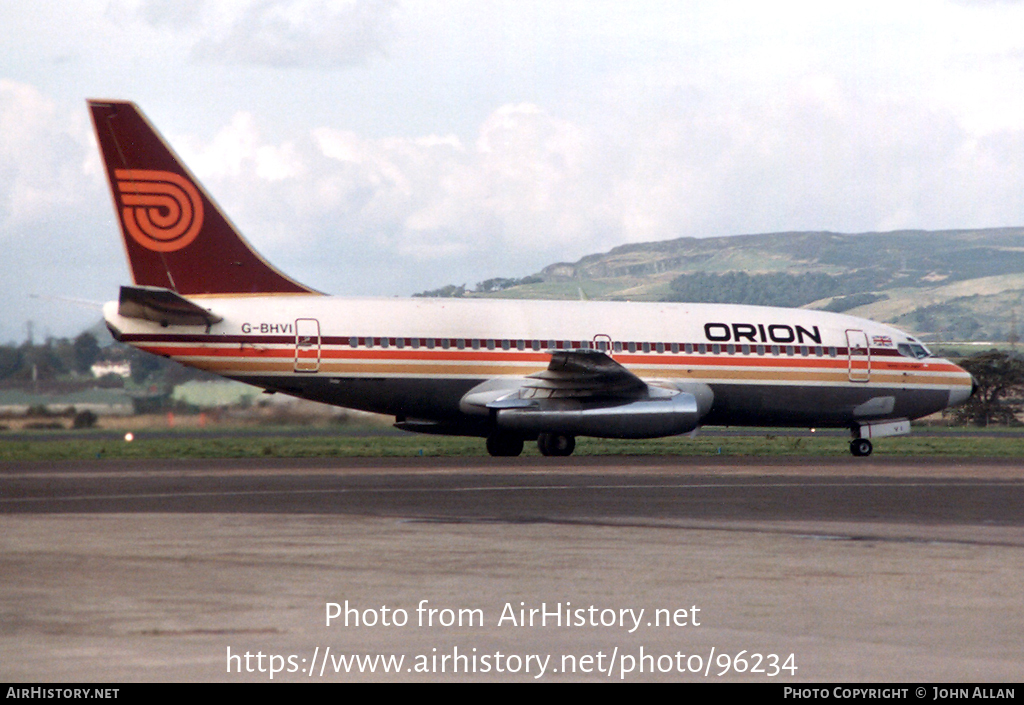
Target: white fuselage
point(416, 358)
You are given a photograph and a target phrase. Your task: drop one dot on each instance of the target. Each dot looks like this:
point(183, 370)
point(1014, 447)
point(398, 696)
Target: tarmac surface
point(859, 569)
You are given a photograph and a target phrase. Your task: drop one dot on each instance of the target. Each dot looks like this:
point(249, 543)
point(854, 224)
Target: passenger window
point(460, 344)
point(490, 344)
point(505, 344)
point(353, 342)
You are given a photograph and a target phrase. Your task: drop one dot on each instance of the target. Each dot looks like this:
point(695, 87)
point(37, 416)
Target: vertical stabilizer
point(174, 234)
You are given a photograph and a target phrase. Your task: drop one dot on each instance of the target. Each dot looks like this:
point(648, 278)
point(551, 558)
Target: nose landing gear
point(883, 428)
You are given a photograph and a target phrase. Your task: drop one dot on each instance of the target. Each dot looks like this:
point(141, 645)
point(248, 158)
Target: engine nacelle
point(646, 418)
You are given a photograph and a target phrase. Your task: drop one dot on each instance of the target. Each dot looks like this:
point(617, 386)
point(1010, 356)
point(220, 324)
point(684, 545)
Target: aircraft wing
point(586, 392)
point(585, 373)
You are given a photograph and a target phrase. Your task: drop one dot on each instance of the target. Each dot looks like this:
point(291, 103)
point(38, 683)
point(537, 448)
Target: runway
point(987, 493)
point(876, 570)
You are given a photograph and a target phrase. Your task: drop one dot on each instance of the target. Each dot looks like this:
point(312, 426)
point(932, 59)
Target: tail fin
point(174, 234)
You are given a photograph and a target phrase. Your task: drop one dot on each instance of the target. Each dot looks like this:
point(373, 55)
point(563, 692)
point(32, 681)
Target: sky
point(385, 147)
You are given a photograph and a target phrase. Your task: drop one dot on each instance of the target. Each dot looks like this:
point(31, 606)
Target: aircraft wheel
point(501, 444)
point(860, 447)
point(556, 444)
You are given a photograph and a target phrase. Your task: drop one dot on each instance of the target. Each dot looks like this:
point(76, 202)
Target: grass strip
point(435, 446)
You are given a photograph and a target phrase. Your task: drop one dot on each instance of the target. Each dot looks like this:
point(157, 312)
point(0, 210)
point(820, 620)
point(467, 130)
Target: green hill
point(962, 285)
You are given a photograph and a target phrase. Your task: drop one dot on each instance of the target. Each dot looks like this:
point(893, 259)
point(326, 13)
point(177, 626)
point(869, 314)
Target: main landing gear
point(861, 447)
point(556, 444)
point(505, 444)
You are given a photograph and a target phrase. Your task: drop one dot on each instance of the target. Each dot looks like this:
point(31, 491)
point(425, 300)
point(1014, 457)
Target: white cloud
point(494, 138)
point(42, 158)
point(324, 33)
point(532, 187)
point(176, 14)
point(56, 224)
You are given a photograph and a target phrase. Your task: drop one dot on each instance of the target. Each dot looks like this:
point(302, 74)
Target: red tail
point(175, 235)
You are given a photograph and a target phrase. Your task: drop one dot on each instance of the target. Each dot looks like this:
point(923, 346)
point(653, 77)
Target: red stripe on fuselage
point(285, 349)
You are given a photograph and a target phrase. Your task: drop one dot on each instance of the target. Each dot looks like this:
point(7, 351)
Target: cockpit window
point(914, 350)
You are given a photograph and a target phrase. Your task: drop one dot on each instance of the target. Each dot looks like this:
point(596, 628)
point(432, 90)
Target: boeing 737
point(505, 370)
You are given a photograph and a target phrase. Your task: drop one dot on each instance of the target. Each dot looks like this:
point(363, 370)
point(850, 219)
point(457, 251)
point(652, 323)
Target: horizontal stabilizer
point(163, 306)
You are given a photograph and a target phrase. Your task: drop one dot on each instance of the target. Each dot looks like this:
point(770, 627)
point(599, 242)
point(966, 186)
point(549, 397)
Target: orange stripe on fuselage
point(284, 363)
point(668, 360)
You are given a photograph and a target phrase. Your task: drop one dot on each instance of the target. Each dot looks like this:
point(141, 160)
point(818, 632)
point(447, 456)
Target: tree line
point(70, 360)
point(487, 286)
point(999, 378)
point(53, 358)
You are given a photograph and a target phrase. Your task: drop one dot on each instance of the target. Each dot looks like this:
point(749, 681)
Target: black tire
point(504, 445)
point(556, 444)
point(861, 447)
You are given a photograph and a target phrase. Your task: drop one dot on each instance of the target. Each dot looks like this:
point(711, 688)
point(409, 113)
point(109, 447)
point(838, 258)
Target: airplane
point(509, 371)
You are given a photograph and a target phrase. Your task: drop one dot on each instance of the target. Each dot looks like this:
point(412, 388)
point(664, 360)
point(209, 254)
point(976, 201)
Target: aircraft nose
point(959, 393)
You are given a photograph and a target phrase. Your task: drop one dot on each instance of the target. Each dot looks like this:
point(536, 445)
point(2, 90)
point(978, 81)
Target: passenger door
point(858, 356)
point(307, 345)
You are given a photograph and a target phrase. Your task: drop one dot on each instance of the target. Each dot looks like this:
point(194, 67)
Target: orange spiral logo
point(162, 210)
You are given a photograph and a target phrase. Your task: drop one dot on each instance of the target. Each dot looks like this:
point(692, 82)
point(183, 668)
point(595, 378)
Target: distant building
point(210, 395)
point(121, 369)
